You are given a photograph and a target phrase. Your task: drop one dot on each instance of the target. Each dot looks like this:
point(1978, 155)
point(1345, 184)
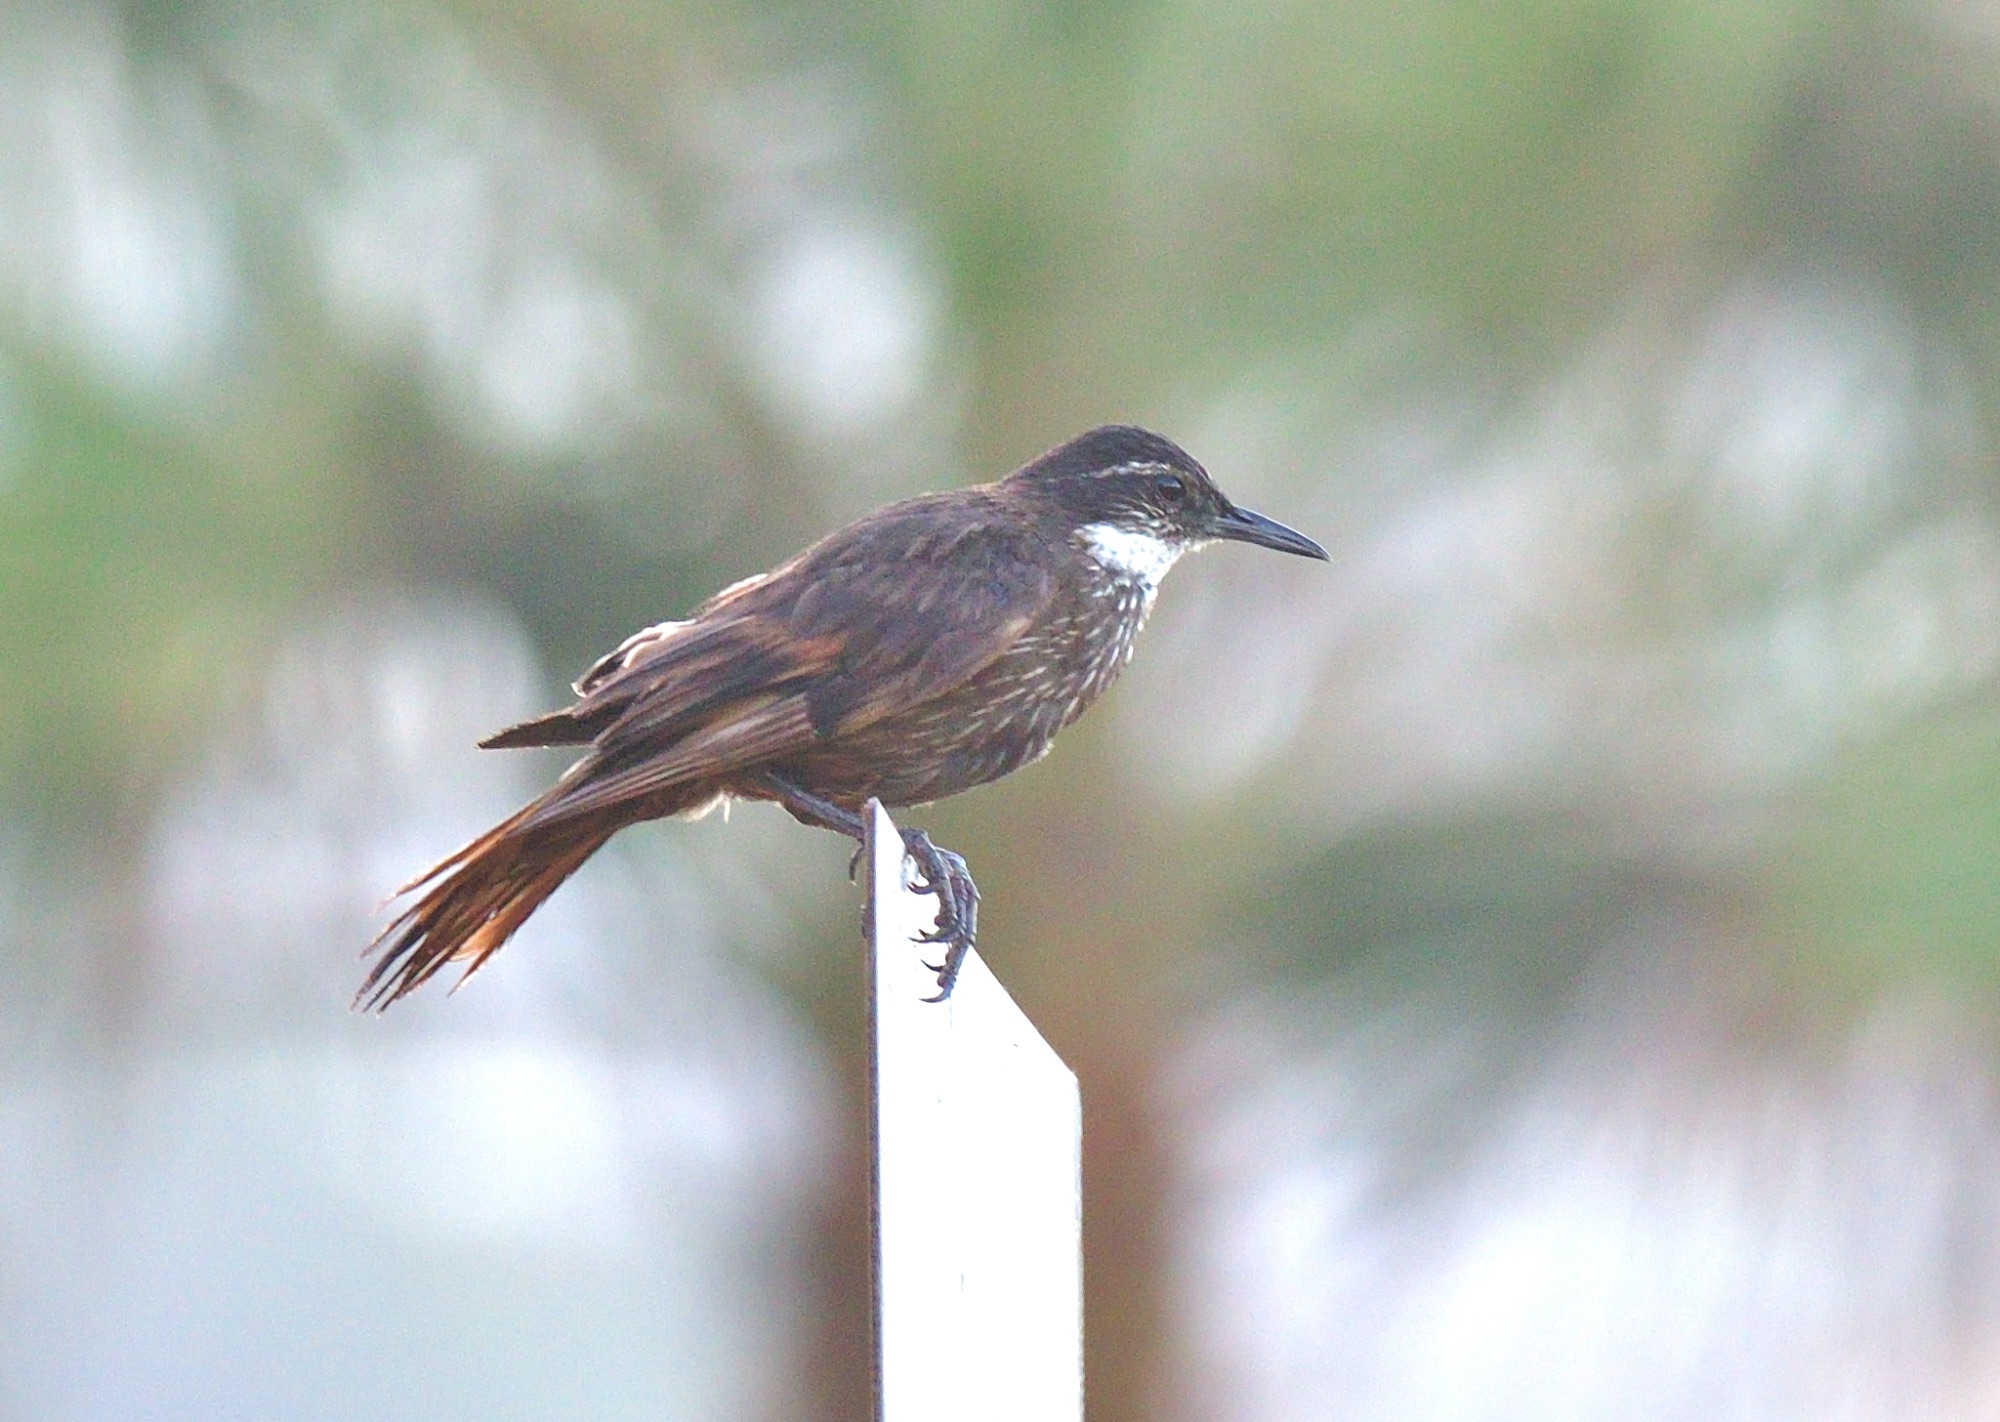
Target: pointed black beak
point(1242, 526)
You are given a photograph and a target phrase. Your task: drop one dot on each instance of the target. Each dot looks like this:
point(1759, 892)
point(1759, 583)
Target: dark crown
point(1128, 476)
point(1110, 447)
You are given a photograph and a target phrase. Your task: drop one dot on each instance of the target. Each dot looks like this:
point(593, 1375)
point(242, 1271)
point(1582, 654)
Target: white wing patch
point(1129, 554)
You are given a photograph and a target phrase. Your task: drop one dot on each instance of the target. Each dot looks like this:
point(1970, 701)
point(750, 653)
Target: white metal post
point(977, 1201)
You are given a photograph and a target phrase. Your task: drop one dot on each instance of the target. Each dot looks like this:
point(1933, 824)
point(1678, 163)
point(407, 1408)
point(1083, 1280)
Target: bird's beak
point(1242, 526)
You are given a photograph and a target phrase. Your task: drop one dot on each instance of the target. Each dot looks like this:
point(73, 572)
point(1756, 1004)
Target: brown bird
point(926, 648)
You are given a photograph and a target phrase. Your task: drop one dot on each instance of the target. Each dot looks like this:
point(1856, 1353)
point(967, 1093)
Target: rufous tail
point(476, 899)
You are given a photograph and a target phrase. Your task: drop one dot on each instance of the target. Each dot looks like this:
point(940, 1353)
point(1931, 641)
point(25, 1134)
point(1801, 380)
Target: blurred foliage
point(1890, 861)
point(1124, 205)
point(1641, 363)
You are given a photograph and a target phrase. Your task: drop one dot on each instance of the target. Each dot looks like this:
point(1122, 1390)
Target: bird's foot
point(945, 874)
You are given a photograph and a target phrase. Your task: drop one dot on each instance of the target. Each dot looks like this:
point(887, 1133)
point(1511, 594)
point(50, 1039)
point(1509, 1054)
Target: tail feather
point(477, 898)
point(558, 728)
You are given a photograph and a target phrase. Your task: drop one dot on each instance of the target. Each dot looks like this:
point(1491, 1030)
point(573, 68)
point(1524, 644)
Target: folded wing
point(880, 618)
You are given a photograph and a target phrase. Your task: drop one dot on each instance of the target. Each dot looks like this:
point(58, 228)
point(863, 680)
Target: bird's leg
point(943, 874)
point(810, 809)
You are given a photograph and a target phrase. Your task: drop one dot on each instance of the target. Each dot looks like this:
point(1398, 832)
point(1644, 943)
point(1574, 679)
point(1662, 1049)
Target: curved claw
point(948, 926)
point(945, 875)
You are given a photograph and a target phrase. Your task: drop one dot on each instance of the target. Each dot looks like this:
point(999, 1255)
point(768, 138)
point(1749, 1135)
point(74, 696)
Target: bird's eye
point(1172, 487)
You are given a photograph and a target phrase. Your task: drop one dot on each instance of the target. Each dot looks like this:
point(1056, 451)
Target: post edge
point(873, 816)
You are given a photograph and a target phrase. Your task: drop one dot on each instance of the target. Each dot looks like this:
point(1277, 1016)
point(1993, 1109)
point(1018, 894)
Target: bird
point(931, 646)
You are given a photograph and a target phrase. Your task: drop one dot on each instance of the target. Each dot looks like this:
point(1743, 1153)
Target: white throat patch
point(1124, 553)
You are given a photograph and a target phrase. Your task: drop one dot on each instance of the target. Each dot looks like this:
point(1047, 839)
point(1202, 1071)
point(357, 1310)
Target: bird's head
point(1136, 501)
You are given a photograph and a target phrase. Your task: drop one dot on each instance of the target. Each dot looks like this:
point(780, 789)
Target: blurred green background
point(1542, 965)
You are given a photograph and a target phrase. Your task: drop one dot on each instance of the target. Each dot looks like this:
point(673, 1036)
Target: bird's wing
point(649, 642)
point(917, 613)
point(881, 617)
point(605, 691)
point(753, 733)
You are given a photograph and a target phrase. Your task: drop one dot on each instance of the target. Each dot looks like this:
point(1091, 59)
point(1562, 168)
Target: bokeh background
point(1542, 966)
